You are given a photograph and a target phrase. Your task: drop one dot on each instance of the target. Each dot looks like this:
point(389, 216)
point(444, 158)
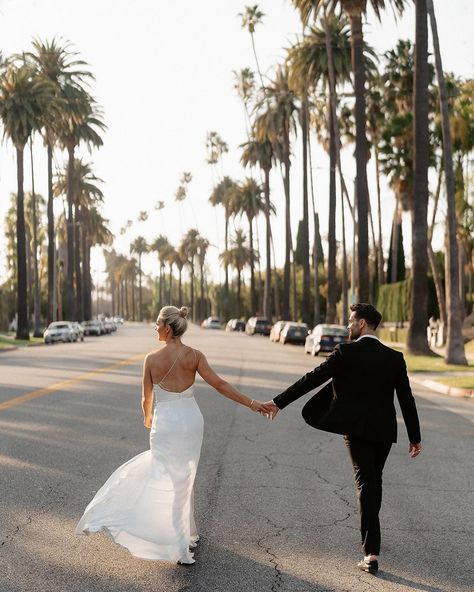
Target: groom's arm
point(311, 380)
point(407, 402)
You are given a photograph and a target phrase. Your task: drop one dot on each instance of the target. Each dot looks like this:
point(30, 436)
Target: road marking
point(65, 384)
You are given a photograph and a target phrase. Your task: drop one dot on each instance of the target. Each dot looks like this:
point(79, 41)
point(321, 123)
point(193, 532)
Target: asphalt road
point(275, 501)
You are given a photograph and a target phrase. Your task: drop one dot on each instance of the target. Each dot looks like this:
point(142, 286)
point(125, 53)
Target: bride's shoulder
point(153, 355)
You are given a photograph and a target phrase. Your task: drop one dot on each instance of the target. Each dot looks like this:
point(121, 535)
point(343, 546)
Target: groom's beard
point(353, 335)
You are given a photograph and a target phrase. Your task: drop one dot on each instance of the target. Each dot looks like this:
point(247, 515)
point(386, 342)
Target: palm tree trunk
point(288, 242)
point(345, 279)
point(132, 287)
point(51, 242)
point(170, 287)
point(37, 295)
point(306, 310)
point(454, 345)
point(22, 330)
point(87, 291)
point(193, 312)
point(253, 294)
point(431, 256)
point(362, 189)
point(331, 298)
point(69, 284)
point(268, 261)
point(239, 284)
point(202, 305)
point(180, 286)
point(317, 300)
point(417, 341)
point(380, 261)
point(140, 303)
point(79, 316)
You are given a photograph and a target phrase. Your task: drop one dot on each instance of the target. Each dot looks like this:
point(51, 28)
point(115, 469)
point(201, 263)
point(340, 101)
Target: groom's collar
point(371, 336)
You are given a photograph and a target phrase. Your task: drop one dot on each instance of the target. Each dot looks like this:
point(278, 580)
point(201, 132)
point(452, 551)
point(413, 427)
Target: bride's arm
point(224, 388)
point(147, 394)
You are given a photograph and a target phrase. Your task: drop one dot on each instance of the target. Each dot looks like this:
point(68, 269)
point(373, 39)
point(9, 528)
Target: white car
point(59, 331)
point(213, 323)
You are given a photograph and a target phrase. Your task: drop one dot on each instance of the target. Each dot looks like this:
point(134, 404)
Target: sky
point(164, 77)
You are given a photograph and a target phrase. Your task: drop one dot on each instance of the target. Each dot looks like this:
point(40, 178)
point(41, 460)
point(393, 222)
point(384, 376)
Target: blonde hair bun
point(175, 318)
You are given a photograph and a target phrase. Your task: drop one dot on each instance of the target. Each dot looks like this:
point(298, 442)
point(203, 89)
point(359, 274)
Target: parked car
point(276, 330)
point(59, 331)
point(110, 326)
point(294, 333)
point(235, 325)
point(118, 320)
point(92, 327)
point(212, 323)
point(324, 338)
point(258, 326)
point(78, 331)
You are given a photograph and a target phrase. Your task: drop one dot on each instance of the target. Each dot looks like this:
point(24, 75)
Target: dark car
point(324, 338)
point(235, 325)
point(258, 326)
point(294, 333)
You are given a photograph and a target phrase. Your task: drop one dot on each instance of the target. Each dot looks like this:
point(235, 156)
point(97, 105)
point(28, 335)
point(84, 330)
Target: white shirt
point(372, 336)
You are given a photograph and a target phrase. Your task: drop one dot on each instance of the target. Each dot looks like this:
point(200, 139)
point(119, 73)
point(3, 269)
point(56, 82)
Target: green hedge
point(393, 301)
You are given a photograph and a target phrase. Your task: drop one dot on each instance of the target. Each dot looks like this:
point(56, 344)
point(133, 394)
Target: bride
point(146, 505)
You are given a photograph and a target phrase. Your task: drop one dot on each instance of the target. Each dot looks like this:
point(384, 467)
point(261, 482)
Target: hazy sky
point(164, 75)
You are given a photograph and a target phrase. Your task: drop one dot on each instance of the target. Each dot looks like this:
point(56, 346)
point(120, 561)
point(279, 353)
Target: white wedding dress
point(146, 505)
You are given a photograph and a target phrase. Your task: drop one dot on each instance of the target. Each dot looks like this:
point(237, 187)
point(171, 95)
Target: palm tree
point(238, 257)
point(161, 246)
point(250, 19)
point(248, 200)
point(455, 344)
point(81, 122)
point(311, 63)
point(57, 63)
point(355, 9)
point(417, 338)
point(24, 97)
point(222, 195)
point(87, 193)
point(139, 246)
point(245, 88)
point(255, 152)
point(188, 250)
point(276, 123)
point(202, 246)
point(95, 231)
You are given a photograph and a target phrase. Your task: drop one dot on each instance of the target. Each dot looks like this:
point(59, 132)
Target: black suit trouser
point(368, 459)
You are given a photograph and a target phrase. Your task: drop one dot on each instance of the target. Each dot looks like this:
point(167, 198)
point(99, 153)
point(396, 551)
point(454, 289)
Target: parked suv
point(258, 326)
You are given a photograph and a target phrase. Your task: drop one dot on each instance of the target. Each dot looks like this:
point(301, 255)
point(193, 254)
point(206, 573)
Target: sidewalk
point(430, 379)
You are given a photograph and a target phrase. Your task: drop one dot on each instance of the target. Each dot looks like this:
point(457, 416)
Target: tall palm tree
point(84, 184)
point(245, 88)
point(417, 338)
point(260, 152)
point(311, 66)
point(248, 200)
point(139, 246)
point(355, 9)
point(222, 195)
point(81, 122)
point(202, 247)
point(250, 19)
point(55, 61)
point(276, 122)
point(161, 246)
point(188, 250)
point(455, 344)
point(24, 97)
point(238, 256)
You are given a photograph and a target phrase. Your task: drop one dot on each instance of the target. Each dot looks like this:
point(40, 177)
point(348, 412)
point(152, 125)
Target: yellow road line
point(65, 384)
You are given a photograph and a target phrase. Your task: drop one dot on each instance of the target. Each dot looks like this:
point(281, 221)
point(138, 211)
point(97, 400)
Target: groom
point(365, 373)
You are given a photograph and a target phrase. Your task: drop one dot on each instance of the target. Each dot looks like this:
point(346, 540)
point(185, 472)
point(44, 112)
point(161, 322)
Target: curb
point(8, 349)
point(445, 389)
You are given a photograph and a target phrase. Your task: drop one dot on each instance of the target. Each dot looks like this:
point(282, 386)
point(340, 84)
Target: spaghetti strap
point(171, 367)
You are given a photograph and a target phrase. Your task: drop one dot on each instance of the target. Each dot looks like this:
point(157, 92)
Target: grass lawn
point(433, 364)
point(7, 339)
point(464, 382)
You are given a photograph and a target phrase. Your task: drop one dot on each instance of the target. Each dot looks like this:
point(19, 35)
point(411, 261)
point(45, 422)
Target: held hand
point(147, 422)
point(414, 449)
point(271, 409)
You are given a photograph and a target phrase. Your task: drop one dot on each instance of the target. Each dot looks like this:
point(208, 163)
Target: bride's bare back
point(174, 368)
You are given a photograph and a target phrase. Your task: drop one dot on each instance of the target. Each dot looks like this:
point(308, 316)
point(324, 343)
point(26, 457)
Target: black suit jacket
point(365, 375)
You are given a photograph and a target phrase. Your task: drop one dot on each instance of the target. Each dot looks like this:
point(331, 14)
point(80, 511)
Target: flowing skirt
point(146, 505)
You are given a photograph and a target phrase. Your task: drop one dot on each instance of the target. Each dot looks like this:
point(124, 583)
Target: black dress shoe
point(371, 567)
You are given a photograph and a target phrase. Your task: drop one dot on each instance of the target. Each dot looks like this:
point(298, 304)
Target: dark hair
point(367, 312)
